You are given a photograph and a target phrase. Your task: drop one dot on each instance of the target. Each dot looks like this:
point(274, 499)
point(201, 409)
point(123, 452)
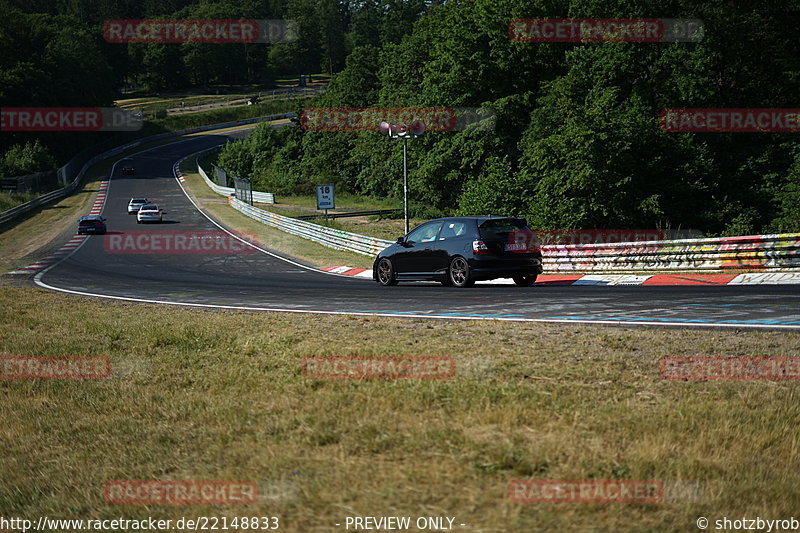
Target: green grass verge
point(374, 226)
point(219, 395)
point(10, 200)
point(193, 120)
point(148, 105)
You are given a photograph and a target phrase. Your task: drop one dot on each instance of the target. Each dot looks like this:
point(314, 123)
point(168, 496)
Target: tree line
point(53, 53)
point(577, 141)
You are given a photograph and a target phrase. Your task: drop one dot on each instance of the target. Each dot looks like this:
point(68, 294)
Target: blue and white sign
point(325, 197)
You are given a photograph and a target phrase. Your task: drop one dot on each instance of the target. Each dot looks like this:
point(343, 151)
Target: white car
point(148, 213)
point(135, 204)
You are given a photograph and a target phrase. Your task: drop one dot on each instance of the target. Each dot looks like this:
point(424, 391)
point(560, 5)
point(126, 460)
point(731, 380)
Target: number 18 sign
point(325, 197)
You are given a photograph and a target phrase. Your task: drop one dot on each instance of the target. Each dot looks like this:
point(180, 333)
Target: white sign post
point(325, 199)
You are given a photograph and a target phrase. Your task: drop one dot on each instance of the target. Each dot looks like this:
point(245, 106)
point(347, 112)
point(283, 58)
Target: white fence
point(261, 197)
point(332, 238)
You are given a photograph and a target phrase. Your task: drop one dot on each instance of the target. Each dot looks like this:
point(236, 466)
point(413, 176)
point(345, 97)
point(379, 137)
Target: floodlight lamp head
point(417, 128)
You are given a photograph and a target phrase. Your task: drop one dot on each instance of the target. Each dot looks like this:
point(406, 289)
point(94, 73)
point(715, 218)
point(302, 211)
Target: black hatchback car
point(459, 251)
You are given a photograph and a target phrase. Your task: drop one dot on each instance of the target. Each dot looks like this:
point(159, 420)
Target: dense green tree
point(42, 53)
point(788, 198)
point(577, 140)
point(28, 158)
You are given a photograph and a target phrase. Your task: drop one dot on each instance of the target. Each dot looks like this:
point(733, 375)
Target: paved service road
point(263, 281)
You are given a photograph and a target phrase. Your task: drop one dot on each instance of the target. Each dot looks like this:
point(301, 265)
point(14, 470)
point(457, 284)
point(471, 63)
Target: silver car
point(135, 204)
point(148, 213)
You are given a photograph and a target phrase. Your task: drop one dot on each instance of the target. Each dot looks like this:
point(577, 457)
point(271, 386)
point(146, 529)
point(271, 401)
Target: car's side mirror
point(401, 240)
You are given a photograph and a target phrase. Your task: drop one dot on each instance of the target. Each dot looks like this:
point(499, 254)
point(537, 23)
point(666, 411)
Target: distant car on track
point(91, 224)
point(128, 171)
point(135, 204)
point(458, 251)
point(149, 213)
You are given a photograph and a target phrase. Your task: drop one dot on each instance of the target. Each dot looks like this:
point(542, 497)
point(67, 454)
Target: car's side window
point(452, 230)
point(425, 233)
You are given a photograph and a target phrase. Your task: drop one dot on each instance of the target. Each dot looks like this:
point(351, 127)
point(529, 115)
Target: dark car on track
point(459, 251)
point(128, 171)
point(91, 224)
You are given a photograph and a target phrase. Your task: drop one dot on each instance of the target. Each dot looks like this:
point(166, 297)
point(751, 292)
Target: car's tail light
point(479, 247)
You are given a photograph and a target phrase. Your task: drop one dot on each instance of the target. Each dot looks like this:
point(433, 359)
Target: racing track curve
point(264, 281)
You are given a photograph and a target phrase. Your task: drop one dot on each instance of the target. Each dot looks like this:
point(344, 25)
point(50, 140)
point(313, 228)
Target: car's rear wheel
point(525, 281)
point(386, 274)
point(459, 273)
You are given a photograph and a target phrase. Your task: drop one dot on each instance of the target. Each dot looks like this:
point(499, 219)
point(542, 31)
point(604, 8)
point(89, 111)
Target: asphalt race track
point(263, 281)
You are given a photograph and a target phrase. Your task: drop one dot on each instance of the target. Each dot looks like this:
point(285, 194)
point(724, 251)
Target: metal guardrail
point(755, 252)
point(14, 212)
point(260, 197)
point(332, 238)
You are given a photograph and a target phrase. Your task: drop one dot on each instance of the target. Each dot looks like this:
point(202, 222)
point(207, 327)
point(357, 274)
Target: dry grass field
point(218, 395)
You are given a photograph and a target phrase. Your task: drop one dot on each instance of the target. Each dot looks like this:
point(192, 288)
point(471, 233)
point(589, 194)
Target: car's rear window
point(501, 228)
point(149, 207)
point(139, 201)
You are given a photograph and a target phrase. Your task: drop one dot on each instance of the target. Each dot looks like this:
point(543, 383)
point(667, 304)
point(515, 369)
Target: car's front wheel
point(385, 273)
point(525, 281)
point(460, 273)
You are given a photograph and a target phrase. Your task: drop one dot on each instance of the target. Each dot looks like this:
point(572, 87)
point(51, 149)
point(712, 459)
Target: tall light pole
point(402, 131)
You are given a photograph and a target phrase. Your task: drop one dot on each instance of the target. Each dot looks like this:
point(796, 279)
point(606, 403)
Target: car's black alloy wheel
point(525, 281)
point(386, 275)
point(459, 272)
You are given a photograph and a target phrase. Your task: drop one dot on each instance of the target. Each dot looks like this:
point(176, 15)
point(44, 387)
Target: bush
point(28, 158)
